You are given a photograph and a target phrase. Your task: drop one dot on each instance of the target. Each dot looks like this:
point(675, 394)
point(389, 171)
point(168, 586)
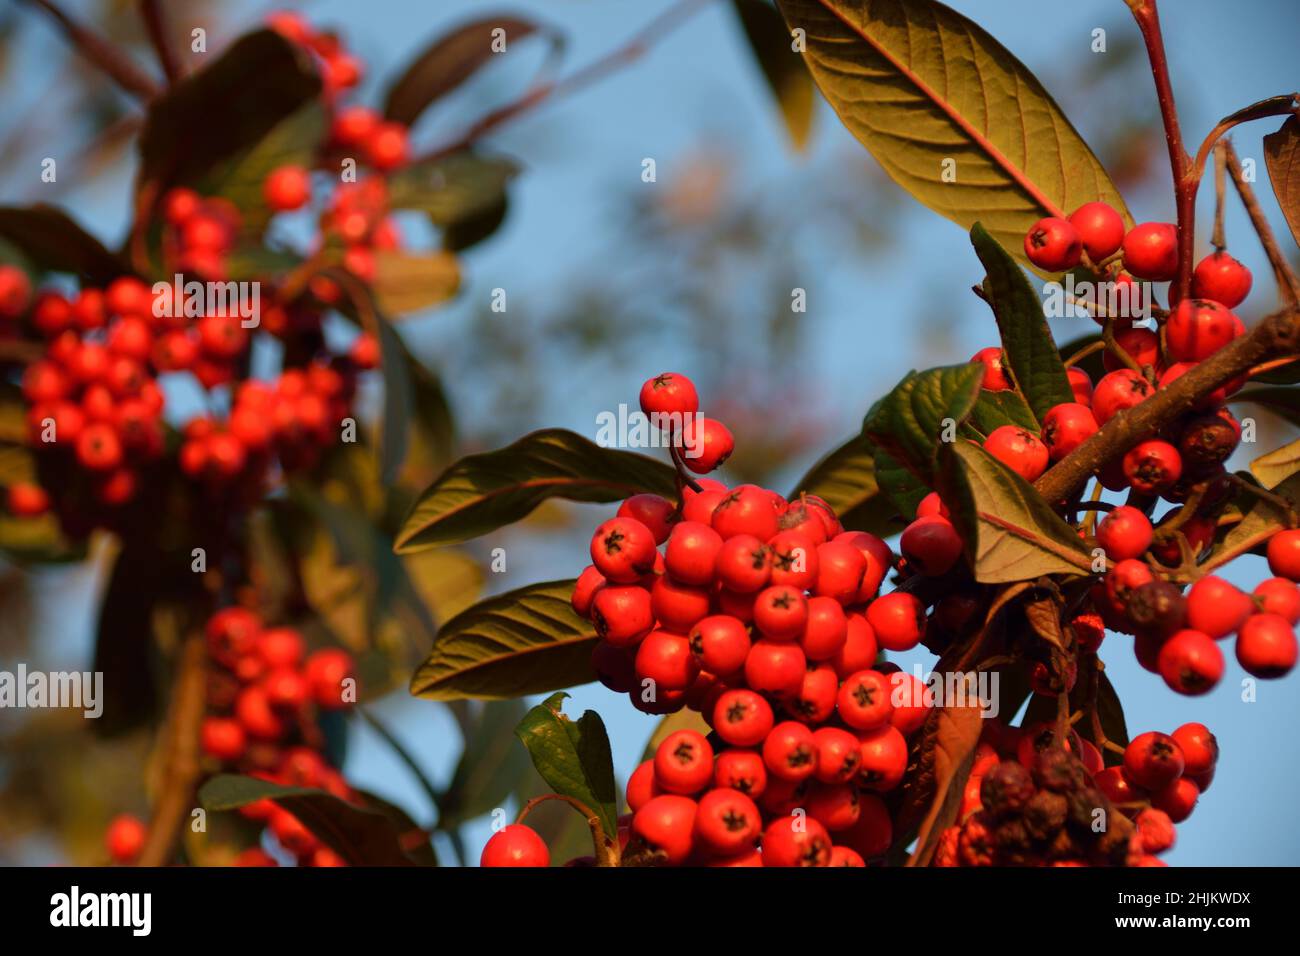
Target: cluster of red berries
point(264, 694)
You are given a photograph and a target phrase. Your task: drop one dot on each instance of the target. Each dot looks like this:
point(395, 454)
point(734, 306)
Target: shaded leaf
point(846, 480)
point(995, 409)
point(951, 735)
point(1283, 401)
point(783, 69)
point(1261, 522)
point(911, 420)
point(899, 485)
point(491, 765)
point(453, 190)
point(919, 84)
point(407, 282)
point(573, 757)
point(1009, 531)
point(361, 836)
point(483, 492)
point(51, 240)
point(1027, 343)
point(399, 397)
point(527, 641)
point(1282, 158)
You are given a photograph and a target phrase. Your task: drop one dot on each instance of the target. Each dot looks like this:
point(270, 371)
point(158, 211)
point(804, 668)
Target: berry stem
point(109, 57)
point(1220, 190)
point(683, 477)
point(1084, 352)
point(1113, 346)
point(1288, 283)
point(607, 850)
point(1180, 164)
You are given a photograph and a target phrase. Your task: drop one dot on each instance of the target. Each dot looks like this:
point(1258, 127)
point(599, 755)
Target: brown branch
point(616, 59)
point(181, 766)
point(1278, 333)
point(154, 22)
point(1180, 164)
point(107, 56)
point(1287, 282)
point(1220, 189)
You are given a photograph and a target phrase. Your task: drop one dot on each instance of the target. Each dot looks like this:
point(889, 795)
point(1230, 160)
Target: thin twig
point(1288, 283)
point(605, 845)
point(1220, 189)
point(152, 14)
point(107, 56)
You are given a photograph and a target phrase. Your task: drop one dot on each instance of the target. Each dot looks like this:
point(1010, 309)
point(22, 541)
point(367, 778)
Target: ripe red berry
point(826, 629)
point(1178, 800)
point(672, 395)
point(388, 146)
point(1141, 345)
point(1278, 596)
point(742, 718)
point(1080, 384)
point(741, 770)
point(667, 824)
point(775, 667)
point(1190, 662)
point(789, 752)
point(1200, 748)
point(125, 838)
point(860, 648)
point(653, 511)
point(794, 560)
point(864, 700)
point(222, 738)
point(1151, 251)
point(838, 755)
point(720, 643)
point(931, 545)
point(684, 762)
point(15, 292)
point(1216, 607)
point(1266, 646)
point(1153, 760)
point(27, 500)
point(840, 570)
point(1066, 427)
point(692, 553)
point(708, 444)
point(1117, 391)
point(727, 821)
point(897, 620)
point(1153, 466)
point(99, 448)
point(622, 614)
point(1100, 228)
point(1125, 578)
point(781, 612)
point(623, 549)
point(995, 374)
point(1284, 554)
point(746, 509)
point(883, 753)
point(1222, 278)
point(879, 559)
point(743, 564)
point(1019, 450)
point(666, 659)
point(584, 590)
point(1116, 787)
point(1124, 533)
point(286, 188)
point(326, 670)
point(515, 845)
point(1053, 244)
point(1197, 328)
point(796, 841)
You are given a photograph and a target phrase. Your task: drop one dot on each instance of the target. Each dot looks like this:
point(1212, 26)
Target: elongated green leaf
point(951, 735)
point(411, 282)
point(452, 190)
point(846, 480)
point(481, 493)
point(449, 61)
point(899, 485)
point(1282, 157)
point(50, 239)
point(951, 114)
point(362, 837)
point(1009, 531)
point(528, 641)
point(1277, 466)
point(783, 69)
point(399, 396)
point(1262, 520)
point(911, 421)
point(491, 767)
point(572, 756)
point(1026, 340)
point(1279, 399)
point(995, 409)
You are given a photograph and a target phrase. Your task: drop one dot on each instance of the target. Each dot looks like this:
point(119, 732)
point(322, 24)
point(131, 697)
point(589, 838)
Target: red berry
point(15, 292)
point(743, 564)
point(1197, 328)
point(1066, 427)
point(1200, 749)
point(1216, 607)
point(684, 762)
point(1117, 391)
point(707, 444)
point(995, 374)
point(622, 614)
point(860, 648)
point(878, 557)
point(1155, 830)
point(742, 718)
point(692, 553)
point(666, 659)
point(1151, 251)
point(1278, 596)
point(667, 824)
point(678, 607)
point(1266, 646)
point(838, 755)
point(796, 841)
point(623, 550)
point(656, 513)
point(99, 448)
point(741, 770)
point(814, 701)
point(1178, 800)
point(125, 838)
point(720, 643)
point(727, 821)
point(835, 807)
point(897, 620)
point(1284, 554)
point(1053, 245)
point(1153, 760)
point(840, 570)
point(883, 754)
point(287, 187)
point(388, 146)
point(864, 701)
point(1019, 450)
point(515, 845)
point(1124, 533)
point(1100, 228)
point(1190, 662)
point(1125, 578)
point(794, 559)
point(781, 612)
point(826, 630)
point(326, 670)
point(775, 667)
point(642, 786)
point(789, 752)
point(1141, 345)
point(222, 738)
point(670, 394)
point(1117, 787)
point(1080, 384)
point(1222, 278)
point(931, 545)
point(28, 500)
point(1153, 466)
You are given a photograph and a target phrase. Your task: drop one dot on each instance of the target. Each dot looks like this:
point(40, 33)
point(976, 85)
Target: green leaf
point(1279, 399)
point(491, 766)
point(407, 282)
point(846, 480)
point(1009, 531)
point(947, 753)
point(910, 421)
point(783, 69)
point(1282, 158)
point(573, 757)
point(1277, 466)
point(995, 409)
point(1026, 340)
point(528, 641)
point(481, 493)
point(1263, 520)
point(51, 240)
point(221, 111)
point(361, 836)
point(399, 398)
point(899, 485)
point(450, 60)
point(454, 189)
point(926, 91)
